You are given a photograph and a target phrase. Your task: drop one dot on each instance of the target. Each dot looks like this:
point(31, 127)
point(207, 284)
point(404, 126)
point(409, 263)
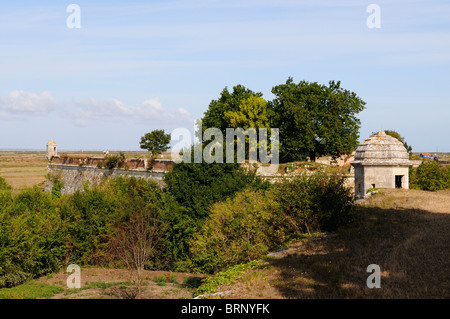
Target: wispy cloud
point(20, 104)
point(23, 105)
point(150, 111)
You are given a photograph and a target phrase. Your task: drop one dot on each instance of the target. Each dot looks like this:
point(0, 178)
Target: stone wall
point(74, 176)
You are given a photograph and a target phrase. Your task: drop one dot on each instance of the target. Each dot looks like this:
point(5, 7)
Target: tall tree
point(228, 103)
point(239, 109)
point(155, 142)
point(315, 119)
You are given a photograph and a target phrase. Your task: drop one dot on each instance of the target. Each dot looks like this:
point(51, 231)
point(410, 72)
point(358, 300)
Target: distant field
point(23, 169)
point(28, 168)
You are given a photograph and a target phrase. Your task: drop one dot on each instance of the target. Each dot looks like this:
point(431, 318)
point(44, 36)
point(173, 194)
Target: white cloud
point(21, 104)
point(150, 111)
point(18, 104)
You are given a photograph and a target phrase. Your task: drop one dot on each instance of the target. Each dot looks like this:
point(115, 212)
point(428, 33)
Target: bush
point(4, 185)
point(313, 202)
point(430, 176)
point(31, 240)
point(111, 161)
point(196, 187)
point(247, 226)
point(238, 230)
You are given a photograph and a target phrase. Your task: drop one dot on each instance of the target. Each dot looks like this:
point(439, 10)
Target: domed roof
point(381, 149)
point(51, 142)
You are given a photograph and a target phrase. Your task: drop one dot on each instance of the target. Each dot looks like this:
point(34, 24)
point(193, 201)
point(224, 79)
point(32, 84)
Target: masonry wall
point(74, 176)
point(380, 176)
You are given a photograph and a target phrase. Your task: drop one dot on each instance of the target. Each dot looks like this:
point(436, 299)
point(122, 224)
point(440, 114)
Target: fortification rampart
point(75, 176)
point(75, 172)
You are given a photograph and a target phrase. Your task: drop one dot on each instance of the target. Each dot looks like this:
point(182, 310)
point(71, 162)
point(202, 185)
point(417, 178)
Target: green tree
point(315, 119)
point(197, 186)
point(155, 142)
point(230, 109)
point(240, 109)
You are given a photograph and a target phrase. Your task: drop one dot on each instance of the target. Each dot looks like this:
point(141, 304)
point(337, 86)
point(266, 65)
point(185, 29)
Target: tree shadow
point(411, 247)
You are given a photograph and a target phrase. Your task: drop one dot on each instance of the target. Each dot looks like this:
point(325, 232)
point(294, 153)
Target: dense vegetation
point(213, 216)
point(429, 176)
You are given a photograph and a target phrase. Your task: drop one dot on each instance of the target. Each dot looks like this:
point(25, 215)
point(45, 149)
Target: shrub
point(31, 238)
point(247, 226)
point(4, 185)
point(197, 186)
point(429, 175)
point(238, 230)
point(112, 161)
point(313, 202)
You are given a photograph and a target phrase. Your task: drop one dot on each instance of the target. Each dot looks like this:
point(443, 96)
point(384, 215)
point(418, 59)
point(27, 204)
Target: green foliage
point(238, 230)
point(31, 241)
point(114, 161)
point(226, 277)
point(30, 290)
point(429, 176)
point(252, 223)
point(5, 193)
point(313, 202)
point(197, 186)
point(4, 185)
point(155, 142)
point(315, 119)
point(164, 279)
point(39, 233)
point(234, 108)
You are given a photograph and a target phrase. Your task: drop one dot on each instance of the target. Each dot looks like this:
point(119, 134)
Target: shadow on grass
point(410, 246)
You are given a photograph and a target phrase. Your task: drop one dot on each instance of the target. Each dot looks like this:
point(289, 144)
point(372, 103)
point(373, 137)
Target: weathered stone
point(74, 176)
point(381, 161)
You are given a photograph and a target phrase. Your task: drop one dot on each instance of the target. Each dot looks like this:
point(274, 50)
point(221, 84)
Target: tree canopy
point(155, 142)
point(315, 119)
point(239, 108)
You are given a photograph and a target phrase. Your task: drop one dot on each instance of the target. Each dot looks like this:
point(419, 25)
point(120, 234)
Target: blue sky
point(136, 66)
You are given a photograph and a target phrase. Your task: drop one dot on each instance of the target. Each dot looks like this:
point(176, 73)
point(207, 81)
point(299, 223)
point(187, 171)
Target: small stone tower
point(52, 149)
point(381, 161)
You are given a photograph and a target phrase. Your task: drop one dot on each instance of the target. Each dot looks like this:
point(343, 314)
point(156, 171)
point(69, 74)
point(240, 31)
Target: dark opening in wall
point(398, 181)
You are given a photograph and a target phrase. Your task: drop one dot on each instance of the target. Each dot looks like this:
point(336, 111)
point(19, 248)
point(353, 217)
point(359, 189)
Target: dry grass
point(23, 169)
point(102, 283)
point(405, 232)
